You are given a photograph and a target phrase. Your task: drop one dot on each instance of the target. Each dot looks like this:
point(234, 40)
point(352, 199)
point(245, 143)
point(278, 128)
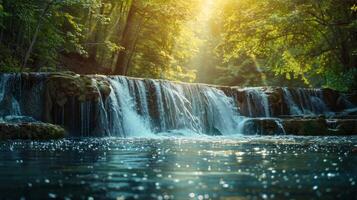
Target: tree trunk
point(97, 34)
point(128, 42)
point(35, 35)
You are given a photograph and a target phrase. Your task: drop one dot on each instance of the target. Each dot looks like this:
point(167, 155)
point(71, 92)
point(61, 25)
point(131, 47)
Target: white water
point(256, 102)
point(306, 102)
point(146, 108)
point(294, 109)
point(251, 126)
point(9, 106)
point(125, 120)
point(177, 108)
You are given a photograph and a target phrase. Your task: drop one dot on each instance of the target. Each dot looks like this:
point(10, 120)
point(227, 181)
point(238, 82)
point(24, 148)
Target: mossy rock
point(31, 131)
point(61, 86)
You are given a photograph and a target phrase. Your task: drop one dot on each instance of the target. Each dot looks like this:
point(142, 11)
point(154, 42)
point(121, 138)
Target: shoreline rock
point(31, 131)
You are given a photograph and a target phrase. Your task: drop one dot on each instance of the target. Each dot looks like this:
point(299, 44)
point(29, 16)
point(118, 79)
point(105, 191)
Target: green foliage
point(245, 42)
point(164, 46)
point(7, 62)
point(36, 28)
point(314, 41)
point(95, 30)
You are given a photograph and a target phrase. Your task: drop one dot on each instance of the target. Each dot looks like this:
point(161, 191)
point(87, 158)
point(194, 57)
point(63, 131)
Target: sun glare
point(206, 9)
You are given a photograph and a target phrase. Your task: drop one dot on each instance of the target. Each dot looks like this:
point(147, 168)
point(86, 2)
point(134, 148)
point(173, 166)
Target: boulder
point(345, 127)
point(30, 131)
point(60, 87)
point(263, 126)
point(276, 101)
point(306, 127)
point(84, 88)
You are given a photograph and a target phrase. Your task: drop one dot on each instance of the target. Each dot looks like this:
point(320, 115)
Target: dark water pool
point(185, 168)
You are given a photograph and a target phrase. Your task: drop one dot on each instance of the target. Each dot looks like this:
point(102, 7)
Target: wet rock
point(352, 97)
point(346, 126)
point(229, 91)
point(239, 94)
point(318, 126)
point(262, 126)
point(61, 87)
point(337, 101)
point(251, 101)
point(306, 126)
point(347, 114)
point(29, 80)
point(18, 119)
point(30, 131)
point(276, 101)
point(103, 85)
point(85, 88)
point(330, 98)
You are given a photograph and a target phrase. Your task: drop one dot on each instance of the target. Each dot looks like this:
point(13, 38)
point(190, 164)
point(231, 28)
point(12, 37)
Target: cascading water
point(9, 106)
point(124, 118)
point(255, 103)
point(141, 108)
point(179, 108)
point(293, 107)
point(305, 101)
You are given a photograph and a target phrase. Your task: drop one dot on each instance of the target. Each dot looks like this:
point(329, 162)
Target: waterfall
point(302, 101)
point(125, 120)
point(255, 103)
point(179, 108)
point(148, 107)
point(9, 105)
point(293, 107)
point(85, 109)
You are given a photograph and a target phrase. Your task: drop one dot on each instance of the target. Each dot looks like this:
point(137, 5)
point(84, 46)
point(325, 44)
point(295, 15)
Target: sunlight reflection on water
point(181, 168)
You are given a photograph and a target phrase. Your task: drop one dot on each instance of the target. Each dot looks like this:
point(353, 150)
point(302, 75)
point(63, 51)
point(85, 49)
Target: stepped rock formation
point(94, 105)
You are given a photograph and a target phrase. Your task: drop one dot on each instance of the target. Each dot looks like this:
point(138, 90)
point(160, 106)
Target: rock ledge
point(30, 131)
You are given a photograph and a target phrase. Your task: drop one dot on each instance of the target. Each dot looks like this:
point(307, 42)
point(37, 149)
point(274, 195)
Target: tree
point(297, 39)
point(132, 27)
point(152, 37)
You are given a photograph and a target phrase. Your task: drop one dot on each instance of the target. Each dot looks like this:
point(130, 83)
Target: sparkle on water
point(181, 168)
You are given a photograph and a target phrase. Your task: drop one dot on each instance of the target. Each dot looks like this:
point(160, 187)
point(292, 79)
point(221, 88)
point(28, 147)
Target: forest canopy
point(231, 42)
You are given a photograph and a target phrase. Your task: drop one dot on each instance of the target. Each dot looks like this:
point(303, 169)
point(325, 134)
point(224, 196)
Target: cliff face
point(92, 105)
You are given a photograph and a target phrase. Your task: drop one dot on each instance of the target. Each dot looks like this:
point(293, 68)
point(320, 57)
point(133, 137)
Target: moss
point(60, 87)
point(31, 131)
point(84, 88)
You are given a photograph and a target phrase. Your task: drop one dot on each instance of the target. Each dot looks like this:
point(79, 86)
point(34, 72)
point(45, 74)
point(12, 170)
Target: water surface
point(181, 168)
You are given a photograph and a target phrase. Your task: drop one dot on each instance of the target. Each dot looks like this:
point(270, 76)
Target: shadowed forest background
point(229, 42)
